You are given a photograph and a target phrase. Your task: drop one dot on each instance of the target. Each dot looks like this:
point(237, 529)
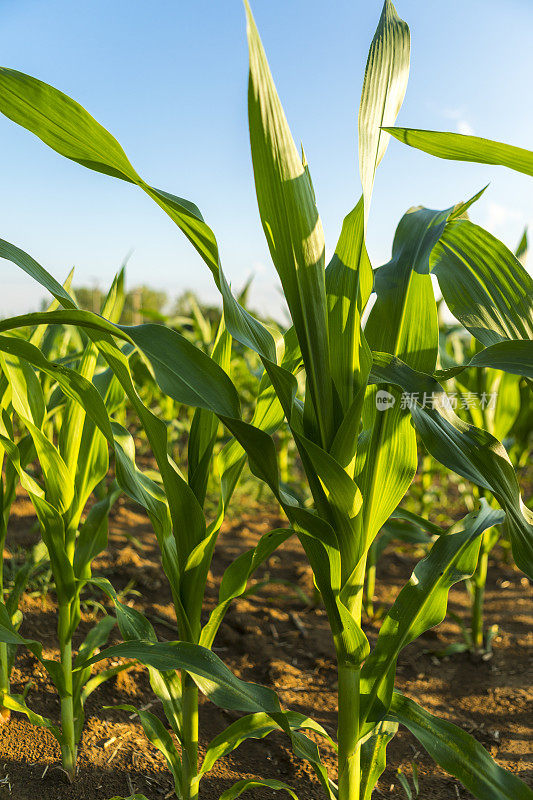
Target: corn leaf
point(483, 284)
point(514, 356)
point(256, 783)
point(387, 457)
point(348, 286)
point(292, 226)
point(200, 382)
point(374, 756)
point(26, 391)
point(421, 605)
point(471, 452)
point(96, 638)
point(458, 147)
point(252, 726)
point(204, 426)
point(459, 753)
point(69, 129)
point(58, 480)
point(236, 576)
point(159, 736)
point(17, 703)
point(384, 86)
point(522, 248)
point(211, 675)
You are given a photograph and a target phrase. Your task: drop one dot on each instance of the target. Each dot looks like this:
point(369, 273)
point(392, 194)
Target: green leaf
point(374, 756)
point(96, 638)
point(421, 605)
point(22, 577)
point(200, 382)
point(254, 783)
point(348, 285)
point(236, 576)
point(97, 680)
point(459, 753)
point(514, 356)
point(132, 624)
point(417, 521)
point(57, 479)
point(483, 283)
point(92, 537)
point(82, 447)
point(69, 129)
point(204, 426)
point(211, 675)
point(405, 292)
point(9, 635)
point(252, 726)
point(384, 86)
point(471, 452)
point(17, 703)
point(458, 147)
point(507, 407)
point(26, 391)
point(522, 249)
point(159, 736)
point(292, 227)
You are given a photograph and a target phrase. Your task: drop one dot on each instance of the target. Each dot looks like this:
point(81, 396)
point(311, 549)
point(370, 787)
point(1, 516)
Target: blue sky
point(168, 79)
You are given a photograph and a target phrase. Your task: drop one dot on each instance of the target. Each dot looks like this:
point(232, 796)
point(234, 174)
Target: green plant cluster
point(325, 394)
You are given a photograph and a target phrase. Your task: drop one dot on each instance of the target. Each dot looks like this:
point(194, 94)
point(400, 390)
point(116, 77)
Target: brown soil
point(272, 638)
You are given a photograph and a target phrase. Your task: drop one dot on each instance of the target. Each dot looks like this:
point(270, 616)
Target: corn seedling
point(354, 435)
point(8, 486)
point(495, 403)
point(186, 543)
point(70, 473)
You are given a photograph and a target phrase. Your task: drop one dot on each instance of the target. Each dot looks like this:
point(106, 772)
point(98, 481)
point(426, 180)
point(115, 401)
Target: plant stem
point(479, 579)
point(4, 681)
point(370, 589)
point(370, 579)
point(349, 758)
point(68, 749)
point(189, 733)
point(4, 666)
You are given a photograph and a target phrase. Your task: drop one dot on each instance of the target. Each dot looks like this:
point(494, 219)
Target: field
point(272, 637)
point(240, 556)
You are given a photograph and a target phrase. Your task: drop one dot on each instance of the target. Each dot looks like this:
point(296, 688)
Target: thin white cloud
point(459, 115)
point(465, 128)
point(499, 217)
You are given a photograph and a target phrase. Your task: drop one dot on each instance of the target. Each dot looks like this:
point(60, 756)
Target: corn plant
point(8, 485)
point(354, 435)
point(70, 473)
point(495, 406)
point(186, 542)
